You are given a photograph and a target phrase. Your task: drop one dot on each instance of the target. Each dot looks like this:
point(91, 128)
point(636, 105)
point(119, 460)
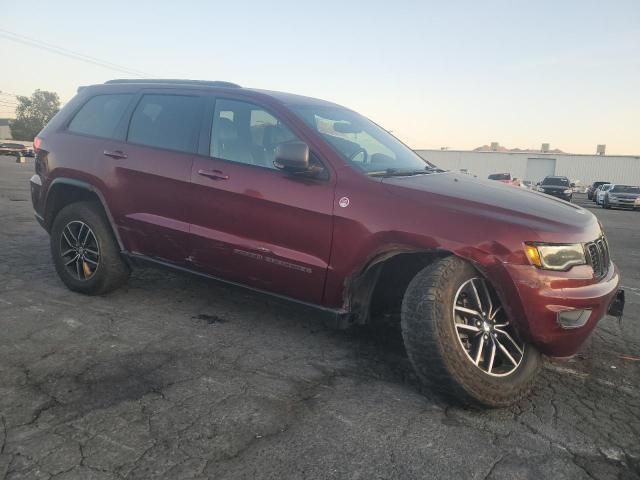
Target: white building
point(5, 131)
point(534, 166)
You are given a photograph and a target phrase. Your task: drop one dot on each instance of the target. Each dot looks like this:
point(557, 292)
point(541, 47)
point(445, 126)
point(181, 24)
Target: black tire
point(111, 270)
point(434, 348)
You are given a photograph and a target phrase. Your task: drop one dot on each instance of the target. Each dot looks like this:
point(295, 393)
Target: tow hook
point(616, 307)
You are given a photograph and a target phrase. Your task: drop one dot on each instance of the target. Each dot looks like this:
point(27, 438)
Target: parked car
point(308, 200)
point(601, 193)
point(16, 149)
point(622, 196)
point(592, 188)
point(559, 187)
point(595, 194)
point(505, 178)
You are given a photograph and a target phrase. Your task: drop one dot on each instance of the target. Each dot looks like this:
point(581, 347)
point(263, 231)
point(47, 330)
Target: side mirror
point(573, 185)
point(292, 157)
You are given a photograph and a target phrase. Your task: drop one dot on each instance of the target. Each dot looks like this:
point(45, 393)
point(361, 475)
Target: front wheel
point(460, 340)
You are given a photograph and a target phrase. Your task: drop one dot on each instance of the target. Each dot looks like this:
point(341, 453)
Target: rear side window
point(100, 115)
point(167, 121)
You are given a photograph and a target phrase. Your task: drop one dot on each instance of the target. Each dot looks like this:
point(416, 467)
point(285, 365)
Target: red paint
point(289, 235)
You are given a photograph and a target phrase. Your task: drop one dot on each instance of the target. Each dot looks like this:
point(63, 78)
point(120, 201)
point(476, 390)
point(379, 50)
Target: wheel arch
point(64, 191)
point(378, 285)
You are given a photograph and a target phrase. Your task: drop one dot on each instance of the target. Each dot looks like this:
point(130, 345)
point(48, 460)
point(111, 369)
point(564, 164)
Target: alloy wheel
point(483, 330)
point(79, 250)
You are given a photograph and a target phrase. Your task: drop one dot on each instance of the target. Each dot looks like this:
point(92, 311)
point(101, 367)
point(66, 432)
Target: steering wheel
point(358, 152)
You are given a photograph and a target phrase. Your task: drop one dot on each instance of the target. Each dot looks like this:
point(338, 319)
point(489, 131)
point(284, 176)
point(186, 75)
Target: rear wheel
point(459, 339)
point(84, 250)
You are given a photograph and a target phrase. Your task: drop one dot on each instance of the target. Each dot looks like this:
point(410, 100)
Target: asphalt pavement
point(176, 377)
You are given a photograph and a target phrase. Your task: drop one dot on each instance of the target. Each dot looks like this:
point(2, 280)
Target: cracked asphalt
point(174, 377)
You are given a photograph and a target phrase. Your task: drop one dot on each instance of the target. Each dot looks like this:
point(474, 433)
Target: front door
point(252, 223)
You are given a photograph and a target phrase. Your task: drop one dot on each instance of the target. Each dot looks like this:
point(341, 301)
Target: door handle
point(117, 154)
point(214, 174)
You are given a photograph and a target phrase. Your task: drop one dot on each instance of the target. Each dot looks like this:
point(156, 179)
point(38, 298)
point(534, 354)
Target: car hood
point(556, 187)
point(449, 192)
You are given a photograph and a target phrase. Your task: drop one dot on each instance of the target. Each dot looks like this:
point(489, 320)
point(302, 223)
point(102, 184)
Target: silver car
point(622, 196)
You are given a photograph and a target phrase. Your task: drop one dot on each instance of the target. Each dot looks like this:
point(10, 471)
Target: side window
point(246, 133)
point(100, 115)
point(167, 121)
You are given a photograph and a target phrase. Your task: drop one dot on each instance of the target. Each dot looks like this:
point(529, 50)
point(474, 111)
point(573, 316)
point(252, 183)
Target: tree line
point(33, 113)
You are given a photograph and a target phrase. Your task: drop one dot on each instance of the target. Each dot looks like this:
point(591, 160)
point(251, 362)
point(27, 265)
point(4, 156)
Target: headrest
point(227, 131)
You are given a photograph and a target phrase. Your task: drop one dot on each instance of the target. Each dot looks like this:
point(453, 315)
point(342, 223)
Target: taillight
point(36, 144)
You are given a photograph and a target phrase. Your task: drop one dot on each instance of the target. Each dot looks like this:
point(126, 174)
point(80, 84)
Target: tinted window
point(246, 133)
point(100, 115)
point(560, 181)
point(167, 121)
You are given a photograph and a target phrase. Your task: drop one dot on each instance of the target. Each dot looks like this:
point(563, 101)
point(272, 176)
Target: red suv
point(311, 201)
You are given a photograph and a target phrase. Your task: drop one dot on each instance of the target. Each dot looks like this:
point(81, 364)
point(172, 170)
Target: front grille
point(598, 256)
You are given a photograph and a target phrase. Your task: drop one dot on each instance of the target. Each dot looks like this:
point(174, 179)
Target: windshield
point(563, 182)
point(361, 142)
point(606, 187)
point(625, 189)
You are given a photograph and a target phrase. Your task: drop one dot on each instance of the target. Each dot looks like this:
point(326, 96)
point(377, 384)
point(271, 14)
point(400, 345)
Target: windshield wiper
point(406, 172)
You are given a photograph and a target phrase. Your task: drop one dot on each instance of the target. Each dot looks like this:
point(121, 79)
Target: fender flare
point(359, 287)
point(90, 188)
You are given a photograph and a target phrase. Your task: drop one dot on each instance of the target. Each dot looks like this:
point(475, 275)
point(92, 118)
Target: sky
point(456, 74)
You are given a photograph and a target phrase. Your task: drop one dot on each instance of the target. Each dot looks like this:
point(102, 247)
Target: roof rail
point(172, 81)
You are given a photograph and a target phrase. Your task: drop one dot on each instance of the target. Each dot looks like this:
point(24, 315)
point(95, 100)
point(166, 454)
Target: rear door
point(251, 222)
point(151, 182)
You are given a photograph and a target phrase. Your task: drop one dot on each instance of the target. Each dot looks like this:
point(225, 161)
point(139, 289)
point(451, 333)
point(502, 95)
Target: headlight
point(568, 191)
point(555, 257)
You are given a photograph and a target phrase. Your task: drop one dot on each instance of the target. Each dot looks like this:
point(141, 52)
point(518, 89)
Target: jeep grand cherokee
point(311, 201)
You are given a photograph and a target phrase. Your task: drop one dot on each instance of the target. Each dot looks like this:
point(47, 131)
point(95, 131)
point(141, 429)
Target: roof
point(529, 154)
point(283, 97)
point(174, 81)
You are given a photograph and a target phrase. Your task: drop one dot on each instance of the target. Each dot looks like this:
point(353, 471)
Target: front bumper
point(542, 296)
point(560, 194)
point(624, 203)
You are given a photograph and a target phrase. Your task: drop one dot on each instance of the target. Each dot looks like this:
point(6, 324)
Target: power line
point(68, 53)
